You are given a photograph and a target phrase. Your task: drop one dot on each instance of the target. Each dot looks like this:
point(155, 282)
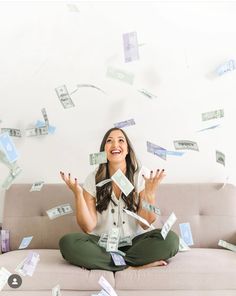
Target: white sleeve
point(90, 184)
point(140, 182)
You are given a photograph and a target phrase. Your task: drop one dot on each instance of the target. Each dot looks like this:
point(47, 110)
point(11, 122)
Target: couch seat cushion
point(51, 270)
point(203, 269)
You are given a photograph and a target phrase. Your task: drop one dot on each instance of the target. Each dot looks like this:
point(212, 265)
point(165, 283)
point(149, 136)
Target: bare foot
point(153, 264)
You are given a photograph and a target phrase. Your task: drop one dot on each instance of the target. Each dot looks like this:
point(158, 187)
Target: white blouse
point(114, 216)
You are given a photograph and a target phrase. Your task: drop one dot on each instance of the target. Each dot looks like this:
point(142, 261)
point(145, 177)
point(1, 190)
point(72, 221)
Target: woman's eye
point(121, 140)
point(108, 141)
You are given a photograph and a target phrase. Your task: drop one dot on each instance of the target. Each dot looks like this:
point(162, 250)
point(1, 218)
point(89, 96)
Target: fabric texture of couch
point(205, 270)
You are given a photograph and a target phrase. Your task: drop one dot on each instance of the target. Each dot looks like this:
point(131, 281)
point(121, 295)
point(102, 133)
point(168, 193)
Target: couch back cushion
point(211, 213)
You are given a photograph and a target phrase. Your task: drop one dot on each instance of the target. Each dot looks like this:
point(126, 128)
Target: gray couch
point(206, 269)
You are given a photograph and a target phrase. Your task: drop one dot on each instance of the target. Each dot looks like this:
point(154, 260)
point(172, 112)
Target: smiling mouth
point(115, 152)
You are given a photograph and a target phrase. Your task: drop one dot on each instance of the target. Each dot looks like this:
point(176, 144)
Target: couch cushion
point(197, 269)
point(51, 270)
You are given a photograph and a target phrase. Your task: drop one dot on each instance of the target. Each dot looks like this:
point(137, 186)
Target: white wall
point(45, 45)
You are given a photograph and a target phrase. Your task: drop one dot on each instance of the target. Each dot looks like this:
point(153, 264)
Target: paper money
point(220, 157)
point(124, 123)
point(130, 43)
point(141, 219)
point(226, 67)
point(168, 224)
point(156, 150)
point(87, 85)
point(125, 241)
point(117, 259)
point(25, 242)
point(213, 114)
point(5, 240)
point(64, 97)
point(122, 182)
point(37, 186)
point(8, 147)
point(106, 286)
point(147, 94)
point(102, 183)
point(59, 211)
point(11, 177)
point(227, 245)
point(51, 128)
point(102, 293)
point(36, 131)
point(103, 240)
point(185, 144)
point(120, 252)
point(150, 208)
point(45, 116)
point(13, 132)
point(113, 239)
point(56, 291)
point(4, 275)
point(120, 75)
point(28, 265)
point(186, 233)
point(97, 158)
point(209, 128)
point(182, 245)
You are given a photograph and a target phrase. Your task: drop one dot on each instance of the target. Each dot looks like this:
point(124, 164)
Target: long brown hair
point(103, 195)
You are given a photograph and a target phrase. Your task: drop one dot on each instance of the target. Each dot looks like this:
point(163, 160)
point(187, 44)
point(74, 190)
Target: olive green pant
point(83, 250)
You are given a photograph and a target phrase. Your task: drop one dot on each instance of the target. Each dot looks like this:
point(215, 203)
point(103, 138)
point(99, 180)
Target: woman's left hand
point(152, 183)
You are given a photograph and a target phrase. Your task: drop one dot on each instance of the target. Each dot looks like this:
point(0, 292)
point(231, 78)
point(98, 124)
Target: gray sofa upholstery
point(205, 270)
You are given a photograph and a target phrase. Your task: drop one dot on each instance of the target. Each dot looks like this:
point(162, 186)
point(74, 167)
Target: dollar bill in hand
point(8, 147)
point(97, 158)
point(130, 43)
point(64, 97)
point(117, 259)
point(227, 245)
point(167, 225)
point(125, 123)
point(59, 211)
point(122, 182)
point(113, 239)
point(220, 157)
point(186, 233)
point(25, 242)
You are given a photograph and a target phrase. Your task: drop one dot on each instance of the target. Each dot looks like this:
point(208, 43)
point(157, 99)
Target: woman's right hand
point(72, 184)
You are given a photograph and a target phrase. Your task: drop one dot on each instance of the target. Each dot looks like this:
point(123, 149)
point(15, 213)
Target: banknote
point(227, 245)
point(120, 75)
point(5, 240)
point(106, 286)
point(125, 241)
point(11, 177)
point(4, 275)
point(59, 211)
point(45, 116)
point(150, 208)
point(209, 128)
point(113, 239)
point(37, 186)
point(141, 219)
point(102, 183)
point(56, 291)
point(28, 265)
point(125, 123)
point(13, 132)
point(130, 44)
point(25, 242)
point(98, 158)
point(122, 182)
point(156, 150)
point(102, 293)
point(182, 245)
point(36, 131)
point(87, 85)
point(120, 252)
point(147, 94)
point(8, 147)
point(51, 128)
point(220, 157)
point(185, 144)
point(168, 224)
point(213, 114)
point(226, 67)
point(64, 97)
point(103, 240)
point(186, 233)
point(117, 259)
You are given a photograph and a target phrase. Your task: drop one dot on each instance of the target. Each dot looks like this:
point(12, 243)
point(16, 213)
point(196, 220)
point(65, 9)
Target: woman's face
point(116, 147)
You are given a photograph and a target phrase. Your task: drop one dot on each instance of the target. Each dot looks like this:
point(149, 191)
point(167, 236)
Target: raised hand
point(72, 183)
point(152, 183)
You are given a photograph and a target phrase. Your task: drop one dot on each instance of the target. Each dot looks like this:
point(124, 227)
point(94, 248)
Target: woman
point(98, 209)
